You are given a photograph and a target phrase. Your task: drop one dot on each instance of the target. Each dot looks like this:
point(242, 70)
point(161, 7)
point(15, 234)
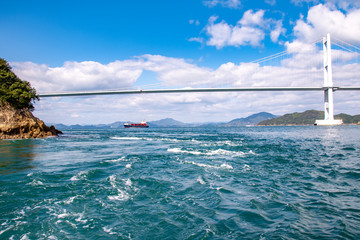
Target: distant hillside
point(348, 119)
point(307, 118)
point(167, 122)
point(250, 120)
point(262, 118)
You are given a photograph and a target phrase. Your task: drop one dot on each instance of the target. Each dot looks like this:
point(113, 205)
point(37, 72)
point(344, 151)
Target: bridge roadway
point(195, 90)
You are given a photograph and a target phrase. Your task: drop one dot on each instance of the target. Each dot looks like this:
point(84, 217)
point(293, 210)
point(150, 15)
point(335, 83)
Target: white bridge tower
point(328, 85)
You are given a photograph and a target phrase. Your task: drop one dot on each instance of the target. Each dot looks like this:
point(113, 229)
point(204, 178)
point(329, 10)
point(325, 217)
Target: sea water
point(183, 183)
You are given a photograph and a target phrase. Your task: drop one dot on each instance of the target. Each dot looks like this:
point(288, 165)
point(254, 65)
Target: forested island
point(16, 106)
point(307, 118)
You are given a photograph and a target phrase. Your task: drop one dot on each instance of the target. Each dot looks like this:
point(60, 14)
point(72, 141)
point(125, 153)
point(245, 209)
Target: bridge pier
point(329, 91)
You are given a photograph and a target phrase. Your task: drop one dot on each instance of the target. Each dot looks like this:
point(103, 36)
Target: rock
point(20, 124)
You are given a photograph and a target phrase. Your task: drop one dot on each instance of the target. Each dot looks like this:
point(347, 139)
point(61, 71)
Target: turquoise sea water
point(183, 183)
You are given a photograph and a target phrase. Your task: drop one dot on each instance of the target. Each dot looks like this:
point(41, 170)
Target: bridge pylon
point(329, 88)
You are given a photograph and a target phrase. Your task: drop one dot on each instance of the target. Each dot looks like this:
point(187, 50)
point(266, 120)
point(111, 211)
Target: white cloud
point(196, 39)
point(342, 4)
point(219, 33)
point(246, 32)
point(196, 22)
point(271, 2)
point(277, 31)
point(300, 2)
point(303, 67)
point(249, 30)
point(252, 19)
point(223, 3)
point(79, 75)
point(322, 20)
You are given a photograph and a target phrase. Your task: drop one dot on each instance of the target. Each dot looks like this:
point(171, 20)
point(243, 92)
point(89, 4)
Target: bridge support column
point(328, 84)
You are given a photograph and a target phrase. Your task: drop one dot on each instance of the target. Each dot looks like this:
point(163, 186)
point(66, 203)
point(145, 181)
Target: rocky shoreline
point(22, 124)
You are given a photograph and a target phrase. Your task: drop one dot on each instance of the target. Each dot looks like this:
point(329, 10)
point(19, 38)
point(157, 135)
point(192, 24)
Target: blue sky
point(51, 32)
point(93, 45)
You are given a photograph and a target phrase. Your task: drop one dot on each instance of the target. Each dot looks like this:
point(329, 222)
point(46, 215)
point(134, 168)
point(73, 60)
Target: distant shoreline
point(306, 118)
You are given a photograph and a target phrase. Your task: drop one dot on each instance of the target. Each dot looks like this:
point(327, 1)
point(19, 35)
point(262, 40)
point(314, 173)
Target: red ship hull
point(136, 125)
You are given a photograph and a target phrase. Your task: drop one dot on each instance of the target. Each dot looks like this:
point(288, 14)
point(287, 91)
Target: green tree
point(13, 90)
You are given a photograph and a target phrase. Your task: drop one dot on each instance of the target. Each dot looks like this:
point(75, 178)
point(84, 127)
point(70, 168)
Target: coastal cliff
point(21, 123)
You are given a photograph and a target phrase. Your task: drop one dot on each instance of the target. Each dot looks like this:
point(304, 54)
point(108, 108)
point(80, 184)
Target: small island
point(306, 118)
point(16, 106)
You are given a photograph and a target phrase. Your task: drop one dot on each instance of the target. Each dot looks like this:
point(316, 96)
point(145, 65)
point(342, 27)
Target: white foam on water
point(179, 150)
point(246, 167)
point(208, 152)
point(74, 178)
point(36, 183)
point(200, 180)
point(128, 165)
point(122, 194)
point(72, 224)
point(116, 160)
point(170, 139)
point(70, 200)
point(79, 176)
point(128, 182)
point(25, 236)
point(126, 138)
point(226, 166)
point(80, 218)
point(6, 229)
point(108, 230)
point(222, 166)
point(63, 215)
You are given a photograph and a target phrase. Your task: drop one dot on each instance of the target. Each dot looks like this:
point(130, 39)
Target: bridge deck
point(194, 90)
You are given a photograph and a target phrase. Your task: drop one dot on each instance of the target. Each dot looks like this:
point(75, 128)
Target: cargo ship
point(143, 124)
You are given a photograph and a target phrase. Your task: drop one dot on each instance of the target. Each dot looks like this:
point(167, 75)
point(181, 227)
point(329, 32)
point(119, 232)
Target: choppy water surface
point(176, 183)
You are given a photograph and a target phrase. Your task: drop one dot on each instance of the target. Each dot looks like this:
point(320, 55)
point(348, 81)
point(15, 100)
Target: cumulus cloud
point(322, 20)
point(301, 67)
point(72, 76)
point(277, 31)
point(249, 30)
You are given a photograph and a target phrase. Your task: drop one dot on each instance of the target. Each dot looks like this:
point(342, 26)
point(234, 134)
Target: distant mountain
point(168, 122)
point(250, 120)
point(307, 118)
point(262, 118)
point(118, 124)
point(348, 119)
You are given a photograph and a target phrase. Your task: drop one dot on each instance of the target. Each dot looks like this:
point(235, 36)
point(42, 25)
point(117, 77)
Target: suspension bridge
point(328, 87)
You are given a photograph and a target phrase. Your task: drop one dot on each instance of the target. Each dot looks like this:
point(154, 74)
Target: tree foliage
point(13, 90)
point(307, 118)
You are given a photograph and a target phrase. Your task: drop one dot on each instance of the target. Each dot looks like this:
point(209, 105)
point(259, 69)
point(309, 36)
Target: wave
point(122, 159)
point(154, 139)
point(80, 176)
point(109, 230)
point(124, 191)
point(126, 138)
point(210, 152)
point(222, 166)
point(35, 183)
point(201, 180)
